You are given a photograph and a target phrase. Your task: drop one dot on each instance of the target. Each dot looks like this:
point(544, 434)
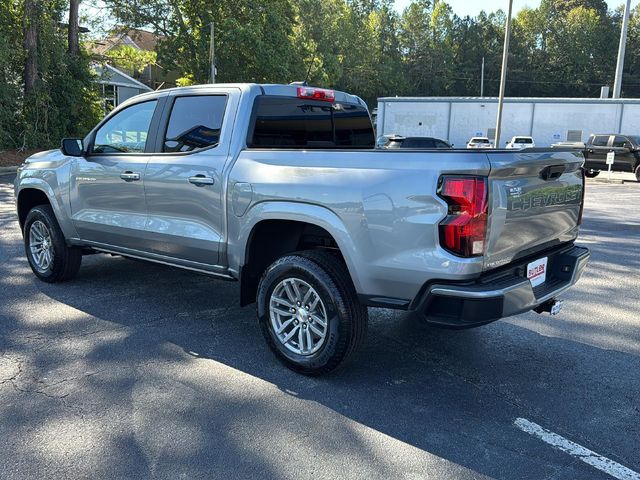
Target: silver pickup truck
point(280, 187)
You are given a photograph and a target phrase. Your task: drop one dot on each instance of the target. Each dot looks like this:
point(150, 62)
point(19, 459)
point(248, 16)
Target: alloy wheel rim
point(41, 246)
point(298, 316)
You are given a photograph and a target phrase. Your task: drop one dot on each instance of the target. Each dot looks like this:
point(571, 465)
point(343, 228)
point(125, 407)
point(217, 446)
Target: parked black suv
point(625, 147)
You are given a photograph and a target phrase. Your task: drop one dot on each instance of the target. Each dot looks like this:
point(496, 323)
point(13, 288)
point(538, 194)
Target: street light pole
point(503, 74)
point(617, 84)
point(212, 54)
point(482, 79)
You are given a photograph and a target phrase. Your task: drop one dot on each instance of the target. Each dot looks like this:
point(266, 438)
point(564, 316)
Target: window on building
point(574, 135)
point(195, 123)
point(109, 98)
point(491, 135)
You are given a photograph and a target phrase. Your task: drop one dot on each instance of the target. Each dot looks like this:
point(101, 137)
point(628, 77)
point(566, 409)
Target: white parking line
point(587, 456)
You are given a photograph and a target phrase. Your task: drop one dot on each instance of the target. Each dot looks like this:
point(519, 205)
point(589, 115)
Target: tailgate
point(535, 198)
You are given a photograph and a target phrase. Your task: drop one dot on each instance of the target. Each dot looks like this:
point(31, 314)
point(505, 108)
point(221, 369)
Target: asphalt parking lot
point(136, 370)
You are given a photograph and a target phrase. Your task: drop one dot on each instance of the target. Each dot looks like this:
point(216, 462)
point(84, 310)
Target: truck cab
point(625, 150)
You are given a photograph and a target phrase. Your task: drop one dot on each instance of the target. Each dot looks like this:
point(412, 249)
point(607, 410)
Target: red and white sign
point(537, 272)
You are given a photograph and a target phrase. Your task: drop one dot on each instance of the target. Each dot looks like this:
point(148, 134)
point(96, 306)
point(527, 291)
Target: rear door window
point(286, 122)
point(620, 141)
point(195, 123)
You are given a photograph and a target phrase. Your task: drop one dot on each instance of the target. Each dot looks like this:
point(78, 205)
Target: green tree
point(46, 92)
point(253, 40)
point(631, 77)
point(131, 60)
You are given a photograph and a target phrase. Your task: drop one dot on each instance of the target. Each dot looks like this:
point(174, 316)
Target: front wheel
point(309, 312)
point(638, 172)
point(50, 259)
point(591, 173)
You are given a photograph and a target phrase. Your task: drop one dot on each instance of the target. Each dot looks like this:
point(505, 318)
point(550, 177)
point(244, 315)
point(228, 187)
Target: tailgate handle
point(552, 172)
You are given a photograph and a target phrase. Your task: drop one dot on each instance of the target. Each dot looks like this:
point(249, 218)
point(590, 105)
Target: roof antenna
point(304, 84)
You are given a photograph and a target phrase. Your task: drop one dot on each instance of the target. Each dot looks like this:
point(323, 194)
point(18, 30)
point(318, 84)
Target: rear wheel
point(591, 173)
point(638, 172)
point(309, 312)
point(50, 259)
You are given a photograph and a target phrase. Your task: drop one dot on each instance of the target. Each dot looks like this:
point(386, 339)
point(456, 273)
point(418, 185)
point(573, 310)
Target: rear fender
point(300, 212)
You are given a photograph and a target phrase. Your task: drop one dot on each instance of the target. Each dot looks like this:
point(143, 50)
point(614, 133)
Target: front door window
point(127, 131)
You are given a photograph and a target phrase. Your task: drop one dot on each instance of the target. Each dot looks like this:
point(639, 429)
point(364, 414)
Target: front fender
point(300, 212)
point(57, 201)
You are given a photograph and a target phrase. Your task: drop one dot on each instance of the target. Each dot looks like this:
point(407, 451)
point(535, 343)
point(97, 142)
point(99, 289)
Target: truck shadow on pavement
point(148, 347)
point(138, 370)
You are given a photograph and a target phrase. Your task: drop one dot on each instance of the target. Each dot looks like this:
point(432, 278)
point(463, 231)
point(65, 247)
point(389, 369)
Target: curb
point(5, 170)
point(613, 181)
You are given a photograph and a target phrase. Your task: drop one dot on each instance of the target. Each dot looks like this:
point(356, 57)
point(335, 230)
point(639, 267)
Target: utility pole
point(503, 74)
point(617, 84)
point(212, 54)
point(30, 44)
point(482, 79)
point(73, 33)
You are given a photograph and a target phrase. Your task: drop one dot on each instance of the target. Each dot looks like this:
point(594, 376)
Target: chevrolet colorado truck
point(280, 188)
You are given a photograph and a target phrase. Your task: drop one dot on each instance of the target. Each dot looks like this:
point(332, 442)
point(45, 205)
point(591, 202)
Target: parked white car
point(479, 142)
point(520, 142)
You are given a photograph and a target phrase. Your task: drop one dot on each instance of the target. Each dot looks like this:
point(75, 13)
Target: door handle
point(200, 180)
point(130, 176)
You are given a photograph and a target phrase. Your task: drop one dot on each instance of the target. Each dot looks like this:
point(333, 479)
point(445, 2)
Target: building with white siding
point(547, 120)
point(115, 86)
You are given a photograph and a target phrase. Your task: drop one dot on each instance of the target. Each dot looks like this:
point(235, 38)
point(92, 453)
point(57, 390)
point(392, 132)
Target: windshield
point(479, 140)
point(523, 140)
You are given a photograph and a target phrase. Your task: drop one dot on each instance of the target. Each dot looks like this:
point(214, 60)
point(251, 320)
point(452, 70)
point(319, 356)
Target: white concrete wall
point(475, 119)
point(631, 119)
point(419, 119)
point(547, 122)
point(552, 120)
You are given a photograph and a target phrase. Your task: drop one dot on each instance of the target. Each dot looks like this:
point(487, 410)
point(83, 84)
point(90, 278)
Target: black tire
point(637, 172)
point(346, 317)
point(65, 260)
point(591, 173)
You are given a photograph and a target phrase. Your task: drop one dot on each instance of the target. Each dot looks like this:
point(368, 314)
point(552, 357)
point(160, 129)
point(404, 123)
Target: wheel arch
point(296, 226)
point(28, 198)
point(35, 191)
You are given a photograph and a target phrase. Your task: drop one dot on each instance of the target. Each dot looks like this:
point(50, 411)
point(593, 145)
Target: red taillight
point(464, 229)
point(316, 94)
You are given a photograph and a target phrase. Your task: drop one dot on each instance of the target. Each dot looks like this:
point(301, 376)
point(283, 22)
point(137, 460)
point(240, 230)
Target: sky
point(472, 8)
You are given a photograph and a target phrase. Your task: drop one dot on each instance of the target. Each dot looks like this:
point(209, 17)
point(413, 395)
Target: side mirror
point(72, 147)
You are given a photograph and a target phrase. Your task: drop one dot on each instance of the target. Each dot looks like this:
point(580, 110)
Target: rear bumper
point(501, 294)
